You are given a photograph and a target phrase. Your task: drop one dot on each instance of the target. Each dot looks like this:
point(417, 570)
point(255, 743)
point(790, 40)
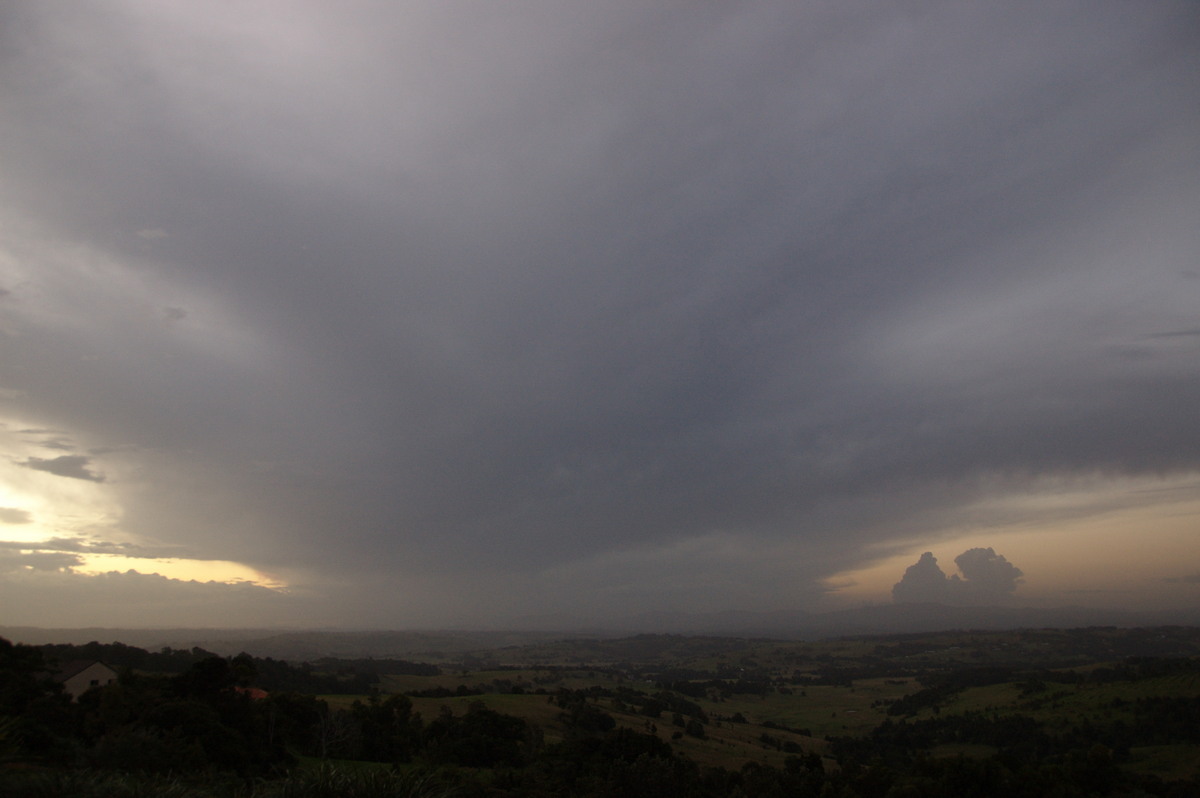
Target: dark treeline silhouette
point(352, 676)
point(119, 655)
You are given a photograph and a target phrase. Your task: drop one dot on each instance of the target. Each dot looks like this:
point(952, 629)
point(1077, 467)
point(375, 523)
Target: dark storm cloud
point(75, 466)
point(452, 289)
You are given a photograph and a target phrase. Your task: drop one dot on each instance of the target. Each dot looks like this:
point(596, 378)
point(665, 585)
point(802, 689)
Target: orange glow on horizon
point(1115, 556)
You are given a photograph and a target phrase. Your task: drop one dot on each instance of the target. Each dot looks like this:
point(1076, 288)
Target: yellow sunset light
point(178, 568)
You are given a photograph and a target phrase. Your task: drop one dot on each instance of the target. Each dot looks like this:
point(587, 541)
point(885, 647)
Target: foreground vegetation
point(1033, 712)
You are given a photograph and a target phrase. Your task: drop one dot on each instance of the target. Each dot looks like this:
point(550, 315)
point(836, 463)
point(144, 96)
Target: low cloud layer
point(984, 578)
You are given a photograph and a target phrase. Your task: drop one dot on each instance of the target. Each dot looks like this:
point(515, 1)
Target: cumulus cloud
point(74, 466)
point(923, 582)
point(986, 577)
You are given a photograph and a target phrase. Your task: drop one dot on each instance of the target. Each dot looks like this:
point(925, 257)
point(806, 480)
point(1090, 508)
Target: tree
point(390, 731)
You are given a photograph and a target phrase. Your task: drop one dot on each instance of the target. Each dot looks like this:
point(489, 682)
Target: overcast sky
point(418, 313)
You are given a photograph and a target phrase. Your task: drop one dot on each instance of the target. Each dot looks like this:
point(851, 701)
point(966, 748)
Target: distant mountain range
point(453, 645)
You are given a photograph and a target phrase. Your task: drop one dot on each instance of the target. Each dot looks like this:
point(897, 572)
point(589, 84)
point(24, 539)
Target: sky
point(419, 314)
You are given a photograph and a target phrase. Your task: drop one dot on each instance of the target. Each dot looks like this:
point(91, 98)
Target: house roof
point(75, 667)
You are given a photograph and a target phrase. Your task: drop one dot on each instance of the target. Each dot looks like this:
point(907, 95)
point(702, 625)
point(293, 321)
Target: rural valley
point(1089, 711)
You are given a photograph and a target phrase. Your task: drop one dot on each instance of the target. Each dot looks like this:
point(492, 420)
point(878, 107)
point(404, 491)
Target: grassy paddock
point(1168, 762)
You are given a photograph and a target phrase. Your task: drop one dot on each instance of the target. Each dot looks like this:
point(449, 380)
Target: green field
point(1094, 709)
point(790, 698)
